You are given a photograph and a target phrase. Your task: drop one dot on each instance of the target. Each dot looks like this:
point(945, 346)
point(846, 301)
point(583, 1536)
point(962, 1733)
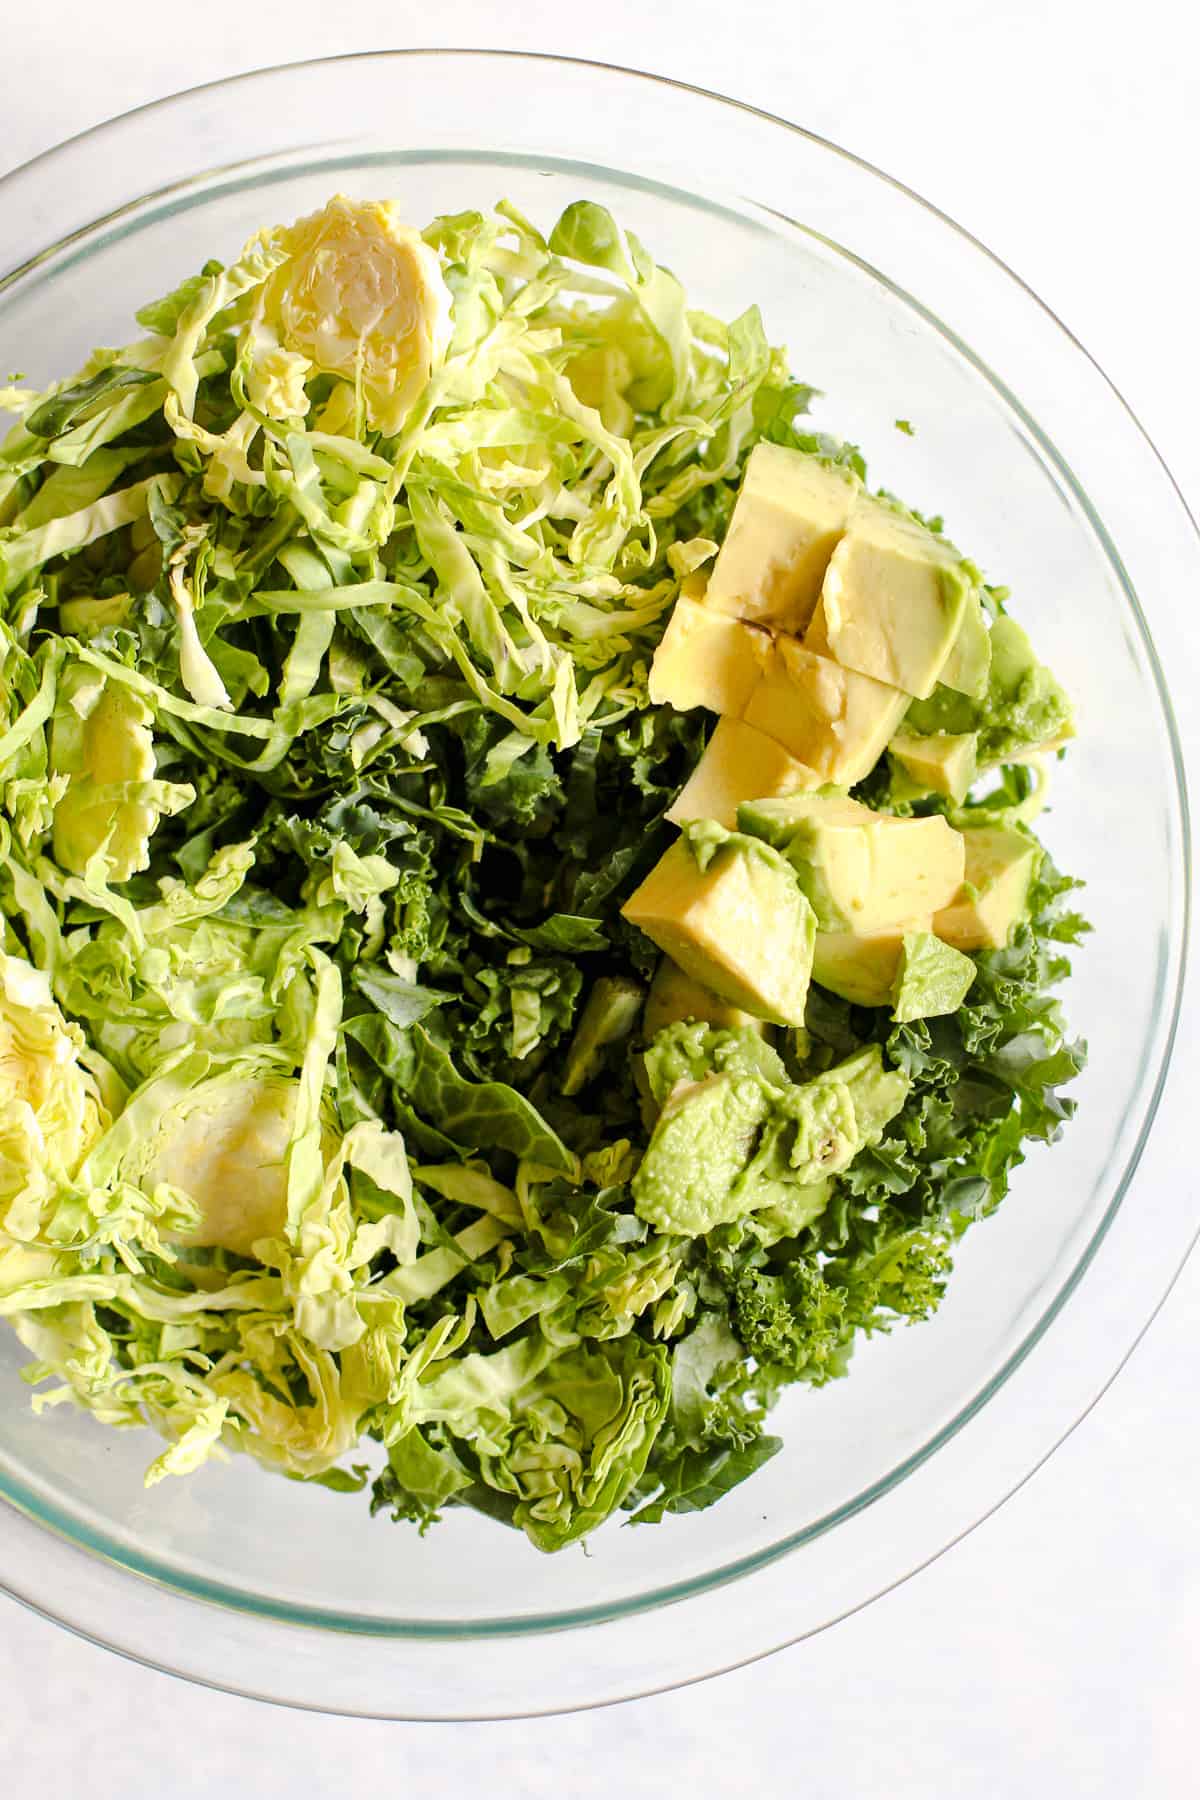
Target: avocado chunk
point(707, 659)
point(729, 911)
point(1000, 868)
point(942, 764)
point(966, 668)
point(674, 996)
point(1023, 713)
point(690, 1050)
point(739, 763)
point(789, 516)
point(610, 1014)
point(828, 717)
point(877, 1093)
point(932, 978)
point(736, 1142)
point(688, 1180)
point(793, 1211)
point(1032, 713)
point(861, 968)
point(893, 599)
point(861, 870)
point(816, 638)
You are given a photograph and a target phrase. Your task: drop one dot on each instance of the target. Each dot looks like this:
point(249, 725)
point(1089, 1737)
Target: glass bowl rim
point(163, 1575)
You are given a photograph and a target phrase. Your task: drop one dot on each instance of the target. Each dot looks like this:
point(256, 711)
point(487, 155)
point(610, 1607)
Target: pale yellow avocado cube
point(862, 871)
point(707, 659)
point(893, 599)
point(967, 663)
point(941, 764)
point(816, 638)
point(862, 969)
point(739, 763)
point(831, 718)
point(1000, 867)
point(790, 513)
point(970, 659)
point(740, 926)
point(674, 995)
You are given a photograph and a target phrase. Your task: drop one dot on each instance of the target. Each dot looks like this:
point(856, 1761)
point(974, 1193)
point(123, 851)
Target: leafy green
point(326, 766)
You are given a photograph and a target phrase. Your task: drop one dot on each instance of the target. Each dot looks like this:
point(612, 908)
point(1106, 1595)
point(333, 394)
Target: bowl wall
point(863, 321)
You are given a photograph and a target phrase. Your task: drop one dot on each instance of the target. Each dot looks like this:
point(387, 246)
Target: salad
point(522, 931)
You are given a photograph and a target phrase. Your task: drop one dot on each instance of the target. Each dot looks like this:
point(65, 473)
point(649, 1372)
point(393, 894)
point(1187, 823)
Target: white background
point(1056, 1652)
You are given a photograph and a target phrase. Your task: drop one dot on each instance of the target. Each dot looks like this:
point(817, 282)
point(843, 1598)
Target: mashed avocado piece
point(690, 1050)
point(691, 1178)
point(736, 1136)
point(877, 1093)
point(1024, 708)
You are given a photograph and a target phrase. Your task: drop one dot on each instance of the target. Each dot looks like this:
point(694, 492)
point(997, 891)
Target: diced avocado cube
point(831, 718)
point(707, 659)
point(970, 659)
point(861, 968)
point(790, 513)
point(861, 870)
point(610, 1014)
point(827, 845)
point(941, 764)
point(739, 763)
point(731, 914)
point(932, 978)
point(674, 995)
point(893, 599)
point(999, 871)
point(816, 638)
point(916, 868)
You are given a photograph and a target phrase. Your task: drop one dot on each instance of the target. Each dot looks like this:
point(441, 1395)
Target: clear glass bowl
point(295, 1594)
